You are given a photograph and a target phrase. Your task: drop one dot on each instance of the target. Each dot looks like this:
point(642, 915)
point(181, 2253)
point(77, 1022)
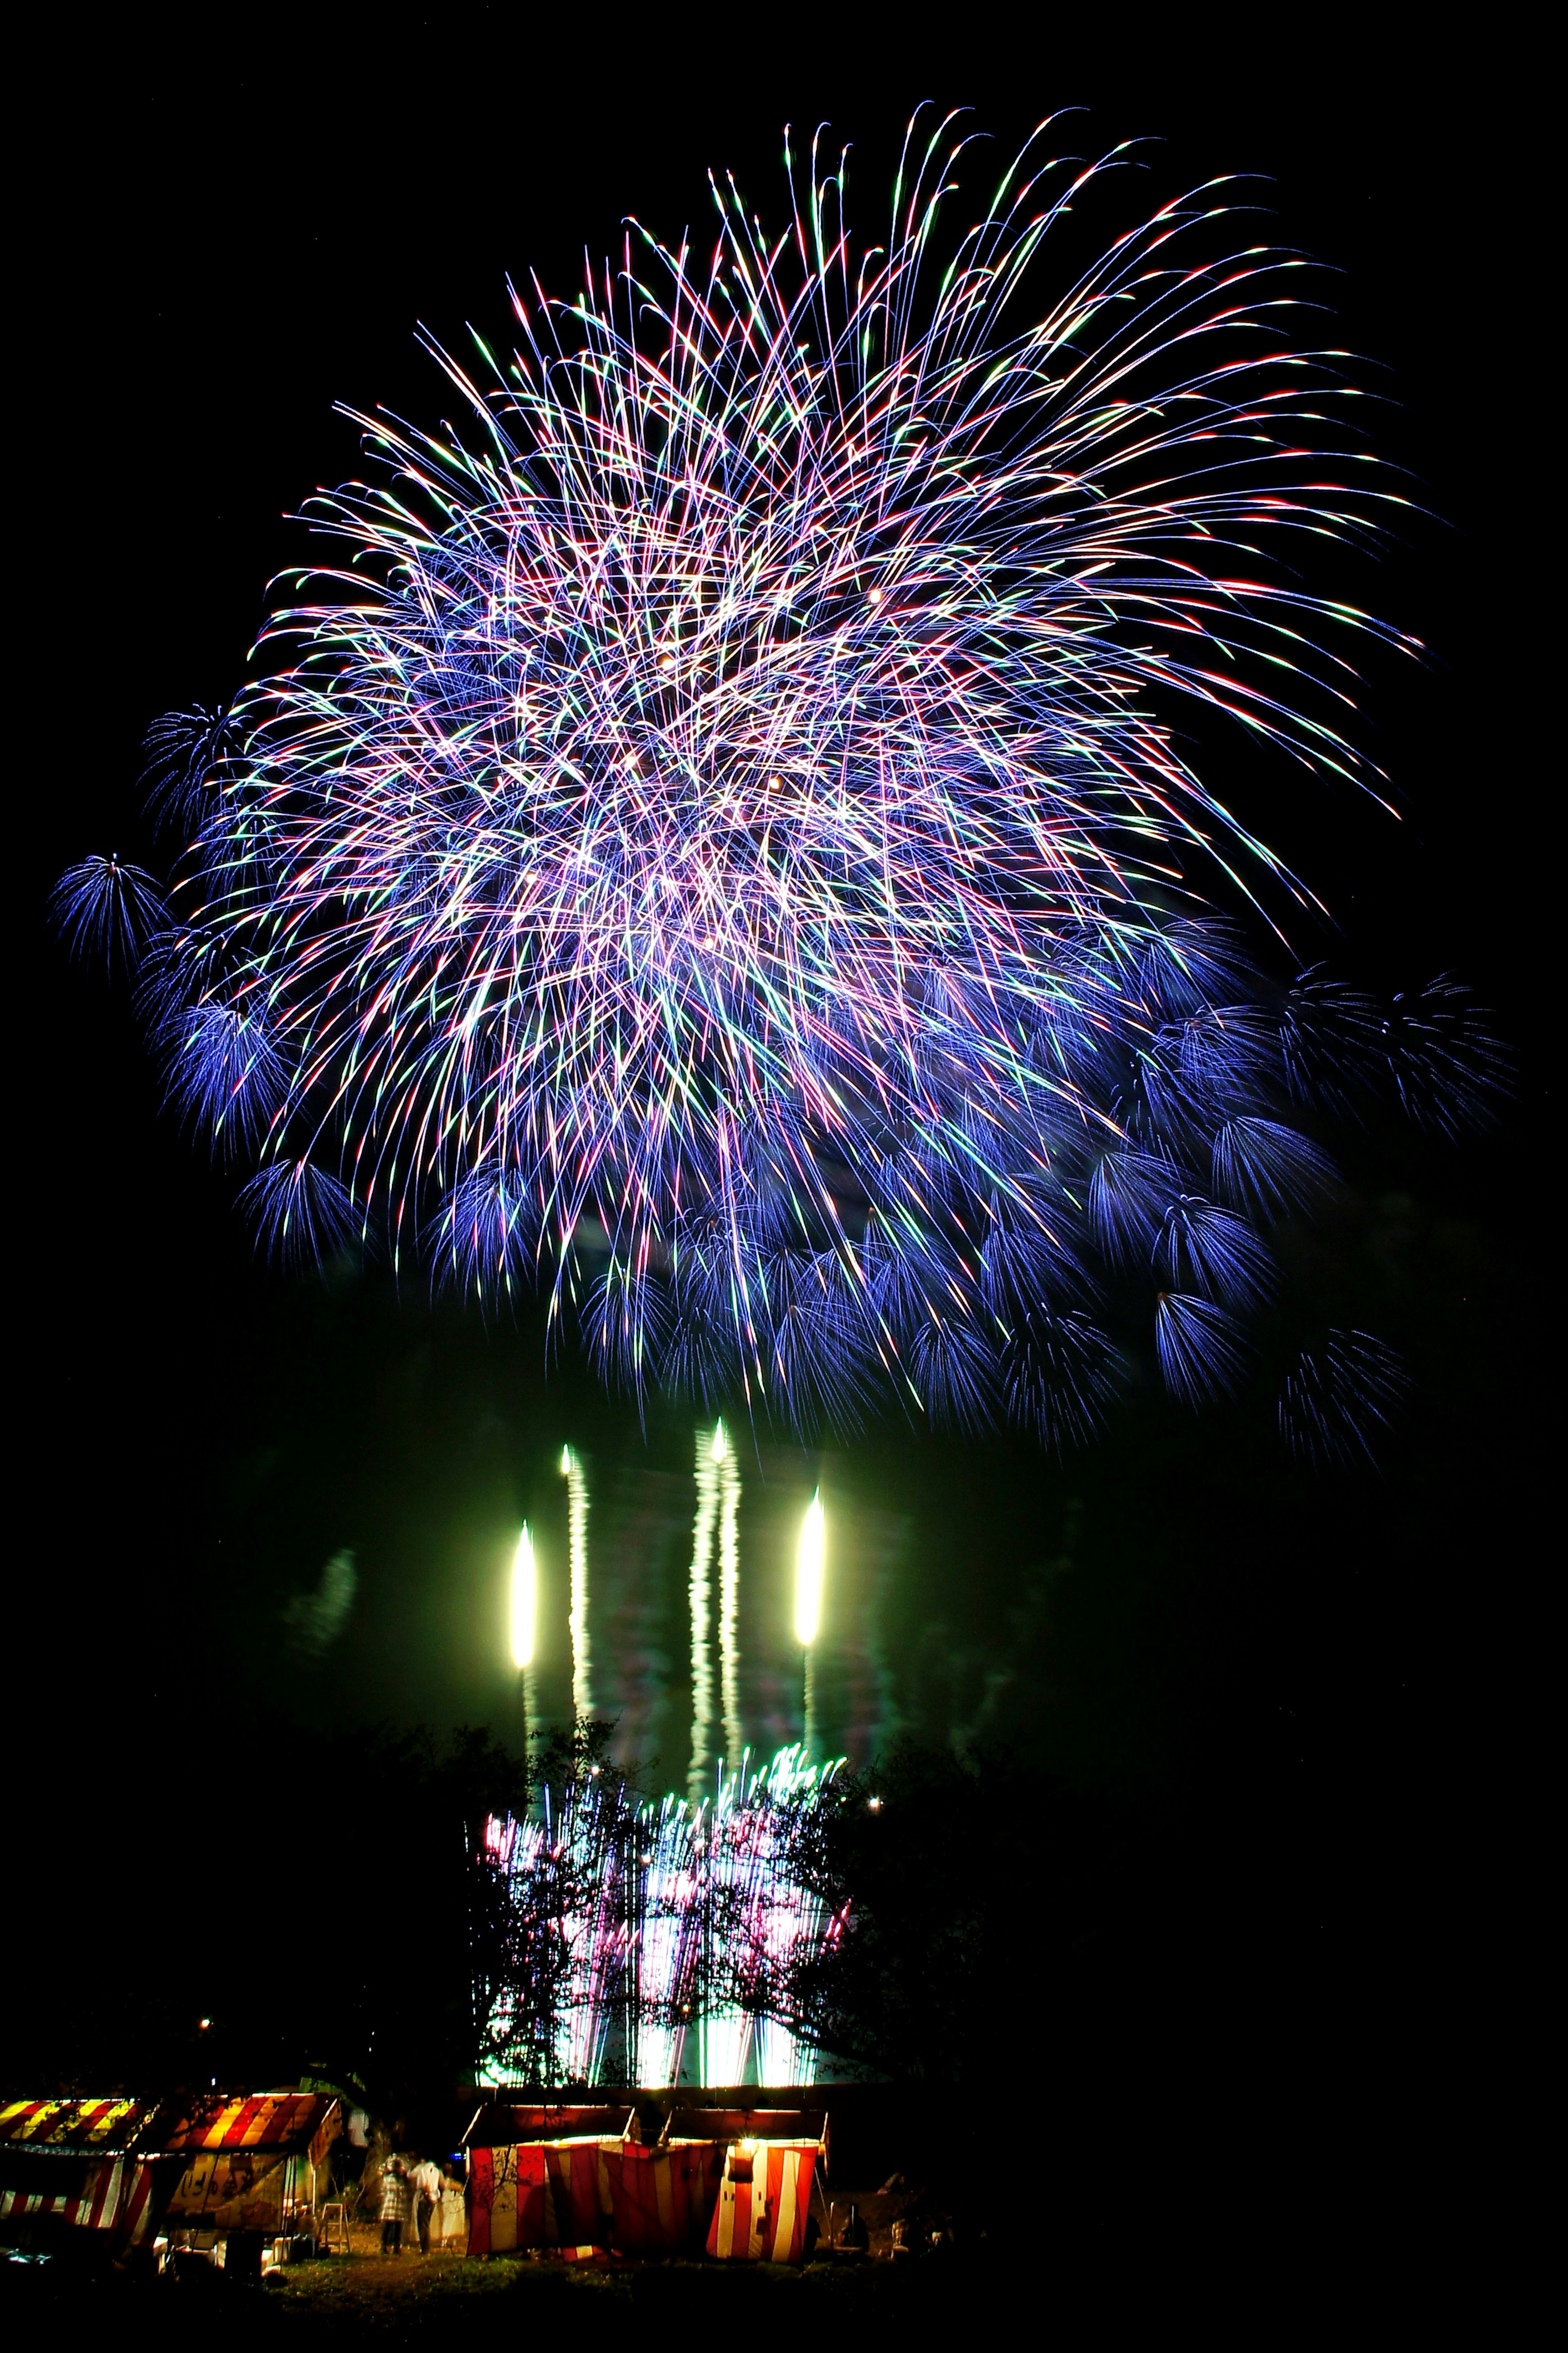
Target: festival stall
point(661, 2198)
point(540, 2175)
point(250, 2170)
point(763, 2210)
point(735, 2183)
point(76, 2165)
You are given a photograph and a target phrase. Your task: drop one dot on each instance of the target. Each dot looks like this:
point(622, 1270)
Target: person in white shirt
point(427, 2181)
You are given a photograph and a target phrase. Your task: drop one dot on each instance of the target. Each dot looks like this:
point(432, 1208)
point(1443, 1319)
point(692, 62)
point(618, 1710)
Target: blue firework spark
point(108, 908)
point(714, 843)
point(186, 754)
point(1338, 1398)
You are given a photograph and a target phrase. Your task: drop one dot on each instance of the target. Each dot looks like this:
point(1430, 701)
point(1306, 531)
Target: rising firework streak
point(718, 1502)
point(730, 1594)
point(524, 1600)
point(577, 1554)
point(710, 1449)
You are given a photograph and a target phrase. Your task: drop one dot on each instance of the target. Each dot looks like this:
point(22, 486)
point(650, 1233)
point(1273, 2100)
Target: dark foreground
point(453, 2300)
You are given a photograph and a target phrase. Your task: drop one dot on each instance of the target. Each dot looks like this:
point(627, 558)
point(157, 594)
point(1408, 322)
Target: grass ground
point(447, 2298)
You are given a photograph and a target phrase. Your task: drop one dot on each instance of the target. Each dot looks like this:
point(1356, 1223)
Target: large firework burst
point(716, 844)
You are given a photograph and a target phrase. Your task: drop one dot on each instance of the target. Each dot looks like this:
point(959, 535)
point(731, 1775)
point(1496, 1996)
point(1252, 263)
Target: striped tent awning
point(69, 2164)
point(242, 2158)
point(81, 2128)
point(283, 2122)
point(114, 2165)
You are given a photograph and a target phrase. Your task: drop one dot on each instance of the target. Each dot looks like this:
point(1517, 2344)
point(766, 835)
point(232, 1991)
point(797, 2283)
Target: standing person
point(427, 2179)
point(353, 2149)
point(394, 2202)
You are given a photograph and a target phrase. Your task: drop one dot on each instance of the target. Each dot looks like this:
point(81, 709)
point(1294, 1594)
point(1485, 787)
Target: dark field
point(447, 2299)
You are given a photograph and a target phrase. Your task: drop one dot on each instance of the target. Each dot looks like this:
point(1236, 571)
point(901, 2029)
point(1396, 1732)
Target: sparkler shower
point(715, 843)
point(631, 1932)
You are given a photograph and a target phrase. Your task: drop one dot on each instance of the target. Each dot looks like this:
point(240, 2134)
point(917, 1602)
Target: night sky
point(1295, 1683)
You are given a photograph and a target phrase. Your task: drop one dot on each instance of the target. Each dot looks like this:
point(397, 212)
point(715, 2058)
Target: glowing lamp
point(808, 1574)
point(522, 1600)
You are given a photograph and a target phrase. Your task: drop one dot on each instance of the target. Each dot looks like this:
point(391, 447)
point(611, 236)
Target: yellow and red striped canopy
point(271, 2120)
point(95, 2127)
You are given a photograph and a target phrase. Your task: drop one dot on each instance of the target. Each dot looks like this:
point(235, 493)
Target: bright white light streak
point(710, 1455)
point(808, 1567)
point(729, 1594)
point(726, 2038)
point(524, 1597)
point(571, 1470)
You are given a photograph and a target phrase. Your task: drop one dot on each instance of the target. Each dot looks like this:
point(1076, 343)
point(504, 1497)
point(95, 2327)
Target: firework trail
point(709, 1458)
point(577, 1552)
point(730, 1594)
point(715, 844)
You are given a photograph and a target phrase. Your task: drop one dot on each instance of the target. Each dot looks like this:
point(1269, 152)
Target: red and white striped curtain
point(764, 2201)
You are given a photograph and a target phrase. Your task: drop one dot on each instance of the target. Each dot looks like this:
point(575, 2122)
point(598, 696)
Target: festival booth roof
point(502, 2124)
point(241, 2158)
point(76, 2127)
point(540, 2175)
point(283, 2123)
point(79, 2165)
point(792, 2127)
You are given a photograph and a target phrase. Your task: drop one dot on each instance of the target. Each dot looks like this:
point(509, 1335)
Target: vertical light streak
point(709, 1455)
point(725, 2038)
point(786, 1915)
point(697, 1924)
point(669, 1909)
point(729, 1595)
point(594, 1933)
point(524, 1617)
point(726, 2045)
point(810, 1562)
point(576, 1480)
point(524, 1580)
